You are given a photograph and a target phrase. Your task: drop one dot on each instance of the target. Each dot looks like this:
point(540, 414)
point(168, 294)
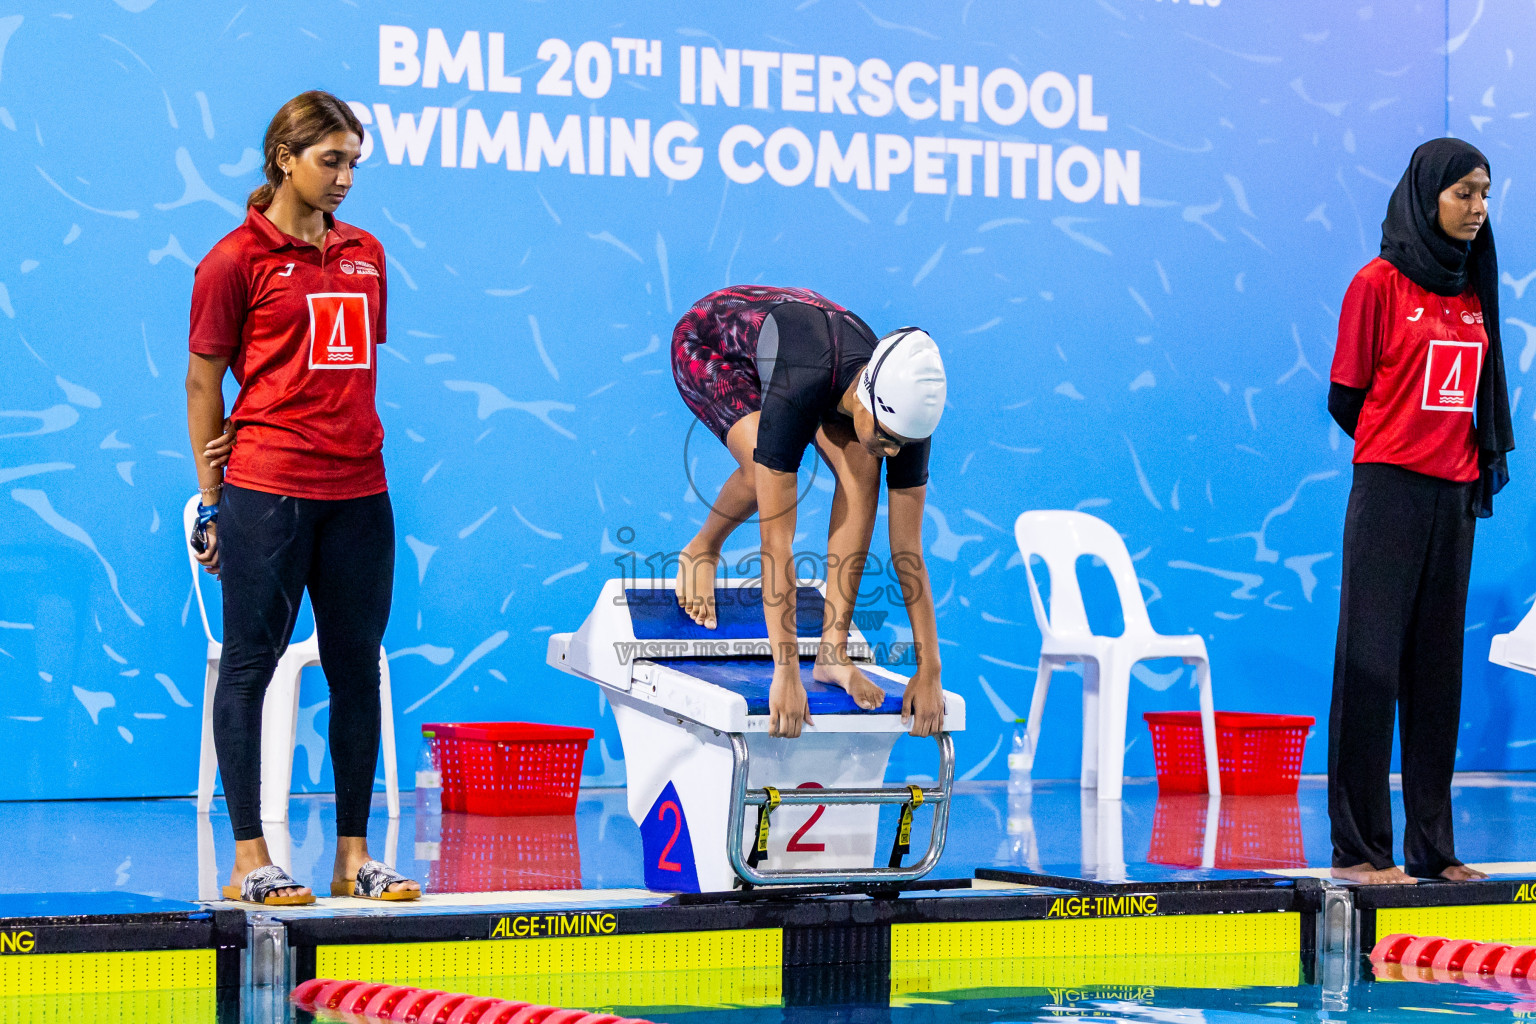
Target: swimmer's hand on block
point(922, 703)
point(788, 708)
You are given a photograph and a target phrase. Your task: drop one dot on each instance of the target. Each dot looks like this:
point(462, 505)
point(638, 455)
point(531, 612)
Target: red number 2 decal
point(795, 845)
point(662, 863)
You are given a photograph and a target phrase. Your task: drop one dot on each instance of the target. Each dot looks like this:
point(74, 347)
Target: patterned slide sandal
point(372, 883)
point(261, 884)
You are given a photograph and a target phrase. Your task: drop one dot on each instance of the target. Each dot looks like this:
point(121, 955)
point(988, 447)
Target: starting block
point(692, 710)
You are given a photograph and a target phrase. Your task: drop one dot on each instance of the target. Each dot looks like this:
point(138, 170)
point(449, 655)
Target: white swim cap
point(903, 383)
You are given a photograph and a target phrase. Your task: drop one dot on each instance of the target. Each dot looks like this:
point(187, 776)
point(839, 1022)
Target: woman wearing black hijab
point(1418, 382)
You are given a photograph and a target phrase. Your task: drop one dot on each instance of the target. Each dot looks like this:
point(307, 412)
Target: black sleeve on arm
point(855, 344)
point(908, 467)
point(1344, 405)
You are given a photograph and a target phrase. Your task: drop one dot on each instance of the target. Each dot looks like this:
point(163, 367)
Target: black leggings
point(272, 548)
point(1402, 613)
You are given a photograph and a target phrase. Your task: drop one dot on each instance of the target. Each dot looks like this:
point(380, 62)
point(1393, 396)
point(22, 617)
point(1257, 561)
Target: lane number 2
point(796, 841)
point(662, 863)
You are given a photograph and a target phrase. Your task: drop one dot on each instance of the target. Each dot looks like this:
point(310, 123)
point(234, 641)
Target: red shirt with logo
point(1420, 355)
point(300, 325)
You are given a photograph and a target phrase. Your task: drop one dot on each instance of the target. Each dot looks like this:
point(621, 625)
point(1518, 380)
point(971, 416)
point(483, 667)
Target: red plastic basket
point(488, 854)
point(1252, 832)
point(1257, 754)
point(508, 768)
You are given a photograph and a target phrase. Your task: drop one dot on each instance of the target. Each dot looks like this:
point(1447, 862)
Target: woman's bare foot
point(1364, 874)
point(351, 855)
point(695, 585)
point(251, 854)
point(1462, 873)
point(865, 694)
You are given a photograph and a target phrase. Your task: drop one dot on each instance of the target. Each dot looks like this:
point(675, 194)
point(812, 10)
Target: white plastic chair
point(279, 711)
point(1517, 649)
point(1060, 538)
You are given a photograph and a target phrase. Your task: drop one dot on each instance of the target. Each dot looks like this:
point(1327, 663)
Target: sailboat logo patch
point(339, 336)
point(1450, 375)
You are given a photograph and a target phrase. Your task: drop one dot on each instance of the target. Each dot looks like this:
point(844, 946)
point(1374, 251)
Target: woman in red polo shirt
point(1418, 382)
point(292, 302)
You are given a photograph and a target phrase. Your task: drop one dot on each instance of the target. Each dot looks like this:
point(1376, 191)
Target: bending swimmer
point(771, 371)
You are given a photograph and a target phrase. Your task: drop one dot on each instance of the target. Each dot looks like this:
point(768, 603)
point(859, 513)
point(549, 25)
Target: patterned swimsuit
point(714, 350)
point(721, 354)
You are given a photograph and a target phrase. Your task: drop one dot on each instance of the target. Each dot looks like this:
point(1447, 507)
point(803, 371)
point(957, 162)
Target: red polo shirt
point(300, 325)
point(1421, 356)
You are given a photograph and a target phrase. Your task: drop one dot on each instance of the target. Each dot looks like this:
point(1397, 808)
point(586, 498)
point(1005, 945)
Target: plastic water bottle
point(1023, 848)
point(429, 802)
point(1020, 800)
point(429, 781)
point(1019, 760)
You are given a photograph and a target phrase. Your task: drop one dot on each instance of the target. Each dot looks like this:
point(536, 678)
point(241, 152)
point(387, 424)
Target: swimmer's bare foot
point(1364, 874)
point(1462, 873)
point(695, 585)
point(847, 675)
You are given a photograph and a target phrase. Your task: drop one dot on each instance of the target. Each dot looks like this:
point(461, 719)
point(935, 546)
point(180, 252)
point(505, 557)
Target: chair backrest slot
point(1059, 538)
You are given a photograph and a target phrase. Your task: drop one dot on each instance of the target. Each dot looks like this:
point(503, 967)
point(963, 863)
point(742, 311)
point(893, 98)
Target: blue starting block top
point(751, 678)
point(655, 615)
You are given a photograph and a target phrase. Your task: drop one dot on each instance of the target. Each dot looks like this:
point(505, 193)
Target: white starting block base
point(673, 759)
point(679, 712)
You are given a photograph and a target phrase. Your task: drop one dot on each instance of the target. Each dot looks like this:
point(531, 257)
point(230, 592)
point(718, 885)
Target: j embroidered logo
point(1416, 314)
point(339, 334)
point(1450, 375)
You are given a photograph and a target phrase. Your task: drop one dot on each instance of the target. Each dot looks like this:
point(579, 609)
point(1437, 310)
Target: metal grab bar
point(741, 797)
point(755, 797)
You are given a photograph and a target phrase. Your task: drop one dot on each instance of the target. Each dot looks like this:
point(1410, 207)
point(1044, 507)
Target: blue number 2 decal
point(667, 845)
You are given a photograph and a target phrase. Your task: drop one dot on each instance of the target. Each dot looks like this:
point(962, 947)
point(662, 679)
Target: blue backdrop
point(1144, 334)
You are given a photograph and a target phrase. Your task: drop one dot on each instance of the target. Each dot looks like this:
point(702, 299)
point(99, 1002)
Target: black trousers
point(272, 549)
point(1402, 613)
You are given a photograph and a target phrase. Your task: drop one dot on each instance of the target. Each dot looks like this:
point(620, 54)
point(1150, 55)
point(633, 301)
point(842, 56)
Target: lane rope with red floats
point(1492, 965)
point(373, 1001)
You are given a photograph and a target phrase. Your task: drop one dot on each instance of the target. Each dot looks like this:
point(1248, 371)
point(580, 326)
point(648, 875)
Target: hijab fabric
point(1411, 242)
